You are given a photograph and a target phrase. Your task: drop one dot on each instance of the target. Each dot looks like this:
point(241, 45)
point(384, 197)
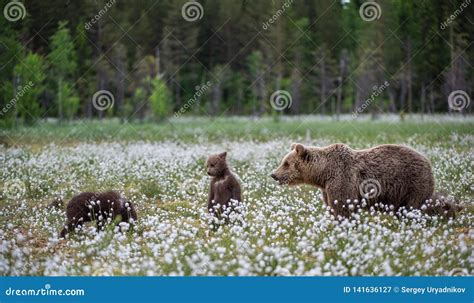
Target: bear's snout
point(274, 176)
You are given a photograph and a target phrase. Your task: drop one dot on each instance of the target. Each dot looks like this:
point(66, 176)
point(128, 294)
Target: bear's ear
point(223, 155)
point(300, 149)
point(294, 145)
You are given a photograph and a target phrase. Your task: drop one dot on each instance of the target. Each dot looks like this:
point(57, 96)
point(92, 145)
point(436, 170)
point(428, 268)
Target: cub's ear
point(223, 155)
point(300, 149)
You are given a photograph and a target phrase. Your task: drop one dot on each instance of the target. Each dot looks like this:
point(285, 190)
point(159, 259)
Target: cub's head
point(292, 169)
point(216, 164)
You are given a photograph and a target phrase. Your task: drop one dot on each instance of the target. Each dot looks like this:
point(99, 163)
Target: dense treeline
point(156, 59)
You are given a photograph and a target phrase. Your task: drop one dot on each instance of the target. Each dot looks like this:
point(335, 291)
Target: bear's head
point(216, 164)
point(293, 168)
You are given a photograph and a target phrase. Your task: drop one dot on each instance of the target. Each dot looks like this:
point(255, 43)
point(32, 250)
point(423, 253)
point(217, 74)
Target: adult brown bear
point(392, 175)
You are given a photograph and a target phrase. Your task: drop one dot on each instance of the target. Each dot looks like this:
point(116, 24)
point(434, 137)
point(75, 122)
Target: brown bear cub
point(100, 207)
point(387, 176)
point(224, 185)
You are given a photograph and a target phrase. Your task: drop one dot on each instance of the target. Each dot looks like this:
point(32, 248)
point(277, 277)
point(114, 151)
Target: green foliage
point(30, 74)
point(160, 99)
point(70, 100)
point(63, 61)
point(410, 44)
point(62, 57)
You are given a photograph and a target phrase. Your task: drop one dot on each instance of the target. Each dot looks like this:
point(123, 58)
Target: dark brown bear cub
point(224, 185)
point(100, 207)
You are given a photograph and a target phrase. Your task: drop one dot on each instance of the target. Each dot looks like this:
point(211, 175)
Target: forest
point(152, 60)
point(140, 97)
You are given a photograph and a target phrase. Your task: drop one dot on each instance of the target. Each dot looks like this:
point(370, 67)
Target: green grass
point(192, 130)
point(282, 231)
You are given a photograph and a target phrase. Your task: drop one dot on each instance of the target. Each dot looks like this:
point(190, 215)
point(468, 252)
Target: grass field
point(281, 231)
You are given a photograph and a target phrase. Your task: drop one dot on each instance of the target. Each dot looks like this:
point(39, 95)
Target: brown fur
point(224, 185)
point(89, 206)
point(403, 177)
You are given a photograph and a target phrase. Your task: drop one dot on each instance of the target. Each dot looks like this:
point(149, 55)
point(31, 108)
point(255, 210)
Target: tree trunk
point(409, 78)
point(403, 92)
point(216, 98)
point(432, 98)
point(261, 93)
point(60, 99)
point(323, 84)
point(422, 100)
point(16, 81)
point(392, 105)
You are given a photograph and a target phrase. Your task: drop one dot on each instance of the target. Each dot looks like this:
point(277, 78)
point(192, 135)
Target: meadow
point(280, 230)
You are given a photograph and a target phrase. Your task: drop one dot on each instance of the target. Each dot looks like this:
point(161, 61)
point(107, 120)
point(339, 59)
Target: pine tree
point(63, 61)
point(28, 85)
point(159, 99)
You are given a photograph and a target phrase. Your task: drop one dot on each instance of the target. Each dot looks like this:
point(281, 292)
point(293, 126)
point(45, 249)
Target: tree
point(63, 62)
point(71, 101)
point(160, 98)
point(29, 75)
point(257, 76)
point(85, 83)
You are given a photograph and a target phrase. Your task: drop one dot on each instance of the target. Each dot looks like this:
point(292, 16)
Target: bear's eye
point(212, 165)
point(286, 164)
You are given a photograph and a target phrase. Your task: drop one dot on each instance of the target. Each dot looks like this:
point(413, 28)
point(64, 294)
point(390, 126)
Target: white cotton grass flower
point(277, 230)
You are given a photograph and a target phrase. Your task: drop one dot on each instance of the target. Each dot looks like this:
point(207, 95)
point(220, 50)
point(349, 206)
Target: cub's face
point(289, 172)
point(216, 164)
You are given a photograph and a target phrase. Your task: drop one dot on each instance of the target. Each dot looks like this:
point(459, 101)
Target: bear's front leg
point(337, 195)
point(211, 197)
point(325, 197)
